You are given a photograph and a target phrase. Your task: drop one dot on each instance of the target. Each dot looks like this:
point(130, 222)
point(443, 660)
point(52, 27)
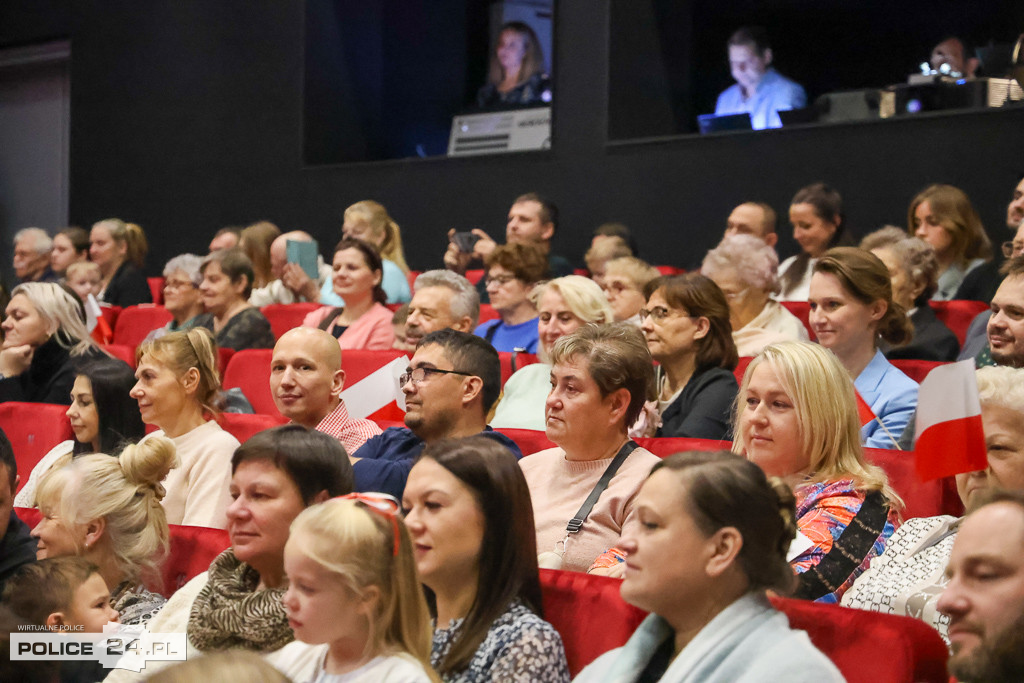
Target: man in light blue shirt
point(760, 90)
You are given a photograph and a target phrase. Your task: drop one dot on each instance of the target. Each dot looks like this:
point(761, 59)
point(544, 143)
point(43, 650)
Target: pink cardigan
point(371, 331)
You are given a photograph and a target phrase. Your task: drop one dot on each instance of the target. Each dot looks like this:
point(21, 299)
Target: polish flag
point(864, 411)
point(949, 438)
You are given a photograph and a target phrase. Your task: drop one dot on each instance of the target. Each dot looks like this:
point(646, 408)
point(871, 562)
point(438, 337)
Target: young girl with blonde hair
point(354, 599)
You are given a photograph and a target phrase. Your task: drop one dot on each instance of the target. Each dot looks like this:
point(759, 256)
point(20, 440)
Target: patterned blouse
point(134, 603)
point(846, 527)
point(247, 329)
point(520, 647)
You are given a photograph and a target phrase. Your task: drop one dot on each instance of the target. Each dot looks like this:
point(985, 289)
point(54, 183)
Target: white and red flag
point(949, 438)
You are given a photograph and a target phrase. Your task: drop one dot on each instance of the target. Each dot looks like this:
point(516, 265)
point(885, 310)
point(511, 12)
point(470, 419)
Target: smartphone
point(465, 241)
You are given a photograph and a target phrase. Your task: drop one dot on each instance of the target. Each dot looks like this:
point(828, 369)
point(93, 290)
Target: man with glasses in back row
point(453, 380)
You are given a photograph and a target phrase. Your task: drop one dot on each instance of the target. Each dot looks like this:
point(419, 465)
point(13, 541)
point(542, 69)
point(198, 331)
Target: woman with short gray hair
point(181, 294)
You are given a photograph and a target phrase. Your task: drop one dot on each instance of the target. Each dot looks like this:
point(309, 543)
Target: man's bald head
point(279, 249)
point(753, 218)
point(306, 378)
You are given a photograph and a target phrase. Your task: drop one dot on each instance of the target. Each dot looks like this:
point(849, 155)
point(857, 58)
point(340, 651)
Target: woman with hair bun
point(119, 249)
point(816, 213)
point(177, 391)
point(852, 309)
point(107, 510)
point(711, 620)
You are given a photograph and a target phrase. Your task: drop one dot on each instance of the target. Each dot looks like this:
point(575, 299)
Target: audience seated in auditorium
point(103, 416)
point(564, 305)
point(713, 538)
point(816, 214)
point(600, 378)
point(746, 268)
point(306, 380)
point(70, 245)
point(32, 247)
point(797, 419)
point(450, 386)
point(512, 271)
point(976, 338)
point(275, 475)
point(17, 547)
point(760, 90)
point(981, 283)
point(255, 241)
point(603, 251)
point(44, 338)
point(364, 322)
point(942, 215)
point(984, 598)
point(119, 249)
point(612, 231)
point(686, 325)
point(851, 310)
point(106, 509)
point(624, 282)
point(532, 220)
point(369, 221)
point(1005, 328)
point(516, 76)
point(468, 510)
point(909, 577)
point(913, 272)
point(291, 284)
point(442, 300)
point(85, 279)
point(225, 288)
point(182, 298)
point(177, 391)
point(753, 218)
point(352, 557)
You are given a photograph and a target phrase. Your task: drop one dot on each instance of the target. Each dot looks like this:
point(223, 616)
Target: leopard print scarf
point(230, 613)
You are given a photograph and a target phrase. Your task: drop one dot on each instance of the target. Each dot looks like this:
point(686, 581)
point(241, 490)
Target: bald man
point(292, 284)
point(753, 218)
point(306, 380)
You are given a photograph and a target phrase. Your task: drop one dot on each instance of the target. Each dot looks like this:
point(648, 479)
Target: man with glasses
point(977, 334)
point(452, 381)
point(981, 283)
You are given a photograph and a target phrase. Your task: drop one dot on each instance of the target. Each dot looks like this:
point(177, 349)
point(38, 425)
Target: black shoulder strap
point(577, 521)
point(335, 312)
point(491, 331)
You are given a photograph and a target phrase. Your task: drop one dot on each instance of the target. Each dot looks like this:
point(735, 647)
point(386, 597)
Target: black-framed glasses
point(420, 374)
point(499, 280)
point(1010, 247)
point(659, 313)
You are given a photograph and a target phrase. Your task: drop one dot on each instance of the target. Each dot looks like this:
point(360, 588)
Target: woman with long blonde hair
point(370, 222)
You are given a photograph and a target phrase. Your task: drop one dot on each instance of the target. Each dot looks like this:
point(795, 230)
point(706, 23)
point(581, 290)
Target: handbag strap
point(577, 521)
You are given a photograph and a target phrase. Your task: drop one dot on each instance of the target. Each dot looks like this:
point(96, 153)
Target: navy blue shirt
point(385, 460)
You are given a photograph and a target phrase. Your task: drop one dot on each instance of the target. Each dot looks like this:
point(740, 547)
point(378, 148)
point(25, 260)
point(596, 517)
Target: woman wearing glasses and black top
point(686, 324)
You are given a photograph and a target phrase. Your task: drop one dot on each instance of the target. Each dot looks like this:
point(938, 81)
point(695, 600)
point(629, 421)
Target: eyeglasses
point(420, 374)
point(659, 313)
point(499, 280)
point(178, 284)
point(384, 505)
point(1010, 247)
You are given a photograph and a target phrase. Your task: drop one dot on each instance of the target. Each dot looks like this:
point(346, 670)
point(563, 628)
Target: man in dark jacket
point(17, 547)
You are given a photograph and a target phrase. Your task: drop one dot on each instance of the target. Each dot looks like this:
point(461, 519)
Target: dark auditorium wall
point(187, 115)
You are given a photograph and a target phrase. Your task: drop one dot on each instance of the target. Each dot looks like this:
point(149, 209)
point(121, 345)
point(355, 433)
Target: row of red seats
point(592, 618)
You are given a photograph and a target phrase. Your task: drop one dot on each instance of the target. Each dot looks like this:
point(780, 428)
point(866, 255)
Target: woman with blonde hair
point(369, 221)
point(177, 390)
point(943, 216)
point(45, 337)
point(564, 305)
point(516, 75)
point(119, 249)
point(255, 241)
point(354, 599)
point(852, 312)
point(796, 418)
point(107, 510)
point(624, 281)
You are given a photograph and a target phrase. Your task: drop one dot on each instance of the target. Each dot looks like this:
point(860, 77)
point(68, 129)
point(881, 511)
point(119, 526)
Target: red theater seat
point(922, 498)
point(666, 446)
point(670, 270)
point(916, 370)
point(156, 288)
point(529, 440)
point(121, 352)
point(487, 312)
point(242, 425)
point(30, 516)
point(958, 314)
point(741, 368)
point(135, 322)
point(33, 429)
point(283, 317)
point(474, 275)
point(249, 370)
point(193, 548)
point(512, 361)
point(802, 310)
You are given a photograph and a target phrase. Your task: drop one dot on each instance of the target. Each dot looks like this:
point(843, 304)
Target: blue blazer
point(892, 397)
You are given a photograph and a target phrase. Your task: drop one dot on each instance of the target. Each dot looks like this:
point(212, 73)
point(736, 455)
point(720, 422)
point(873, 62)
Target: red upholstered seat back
point(916, 370)
point(283, 317)
point(135, 322)
point(121, 352)
point(529, 440)
point(242, 426)
point(666, 446)
point(193, 548)
point(156, 288)
point(922, 498)
point(802, 310)
point(249, 370)
point(521, 361)
point(958, 314)
point(30, 516)
point(33, 429)
point(358, 363)
point(741, 368)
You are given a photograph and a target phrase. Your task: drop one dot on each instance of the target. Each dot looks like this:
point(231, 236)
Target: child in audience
point(354, 600)
point(61, 593)
point(84, 278)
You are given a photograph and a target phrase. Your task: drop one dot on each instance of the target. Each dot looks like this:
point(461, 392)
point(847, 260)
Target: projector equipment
point(517, 130)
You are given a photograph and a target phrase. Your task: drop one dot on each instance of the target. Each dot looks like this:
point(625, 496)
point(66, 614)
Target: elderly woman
point(686, 324)
point(816, 213)
point(103, 416)
point(910, 576)
point(275, 475)
point(600, 378)
point(225, 289)
point(564, 305)
point(107, 510)
point(516, 75)
point(913, 270)
point(797, 420)
point(746, 270)
point(624, 281)
point(942, 215)
point(512, 271)
point(369, 221)
point(119, 249)
point(44, 338)
point(182, 298)
point(729, 529)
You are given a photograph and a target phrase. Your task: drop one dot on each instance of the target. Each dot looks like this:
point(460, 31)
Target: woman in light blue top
point(367, 220)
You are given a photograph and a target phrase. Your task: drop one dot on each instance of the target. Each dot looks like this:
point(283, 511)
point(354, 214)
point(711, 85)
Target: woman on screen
point(516, 74)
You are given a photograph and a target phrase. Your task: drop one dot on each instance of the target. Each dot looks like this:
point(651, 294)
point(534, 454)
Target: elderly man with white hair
point(746, 270)
point(292, 284)
point(32, 247)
